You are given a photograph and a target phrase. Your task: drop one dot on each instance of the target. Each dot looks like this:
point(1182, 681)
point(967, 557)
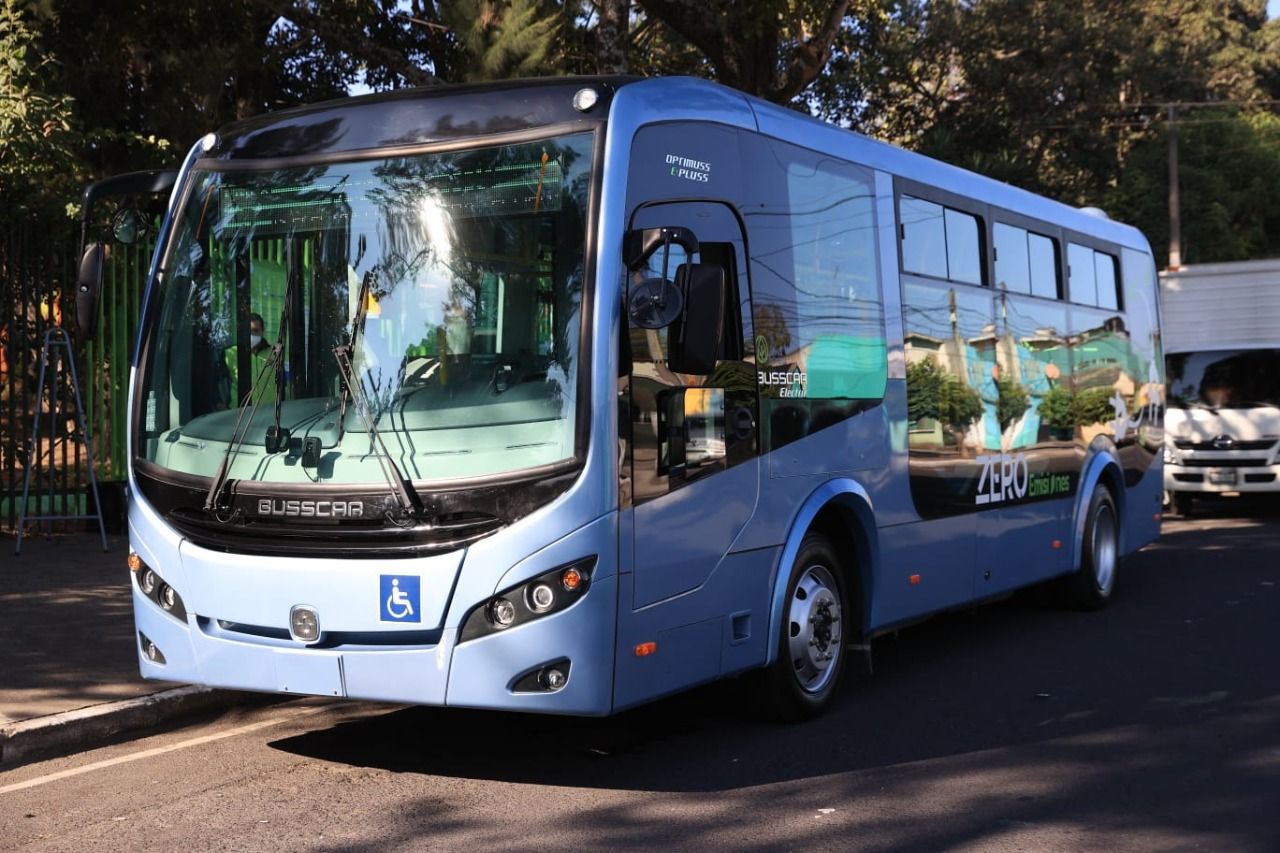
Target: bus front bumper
point(489, 672)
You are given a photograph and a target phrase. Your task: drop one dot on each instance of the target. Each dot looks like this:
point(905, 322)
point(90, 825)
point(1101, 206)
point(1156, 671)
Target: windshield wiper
point(400, 488)
point(238, 436)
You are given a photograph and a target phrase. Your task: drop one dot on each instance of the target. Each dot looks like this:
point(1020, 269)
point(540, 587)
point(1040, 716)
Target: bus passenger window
point(964, 257)
point(1092, 277)
point(924, 237)
point(939, 241)
point(1043, 252)
point(1080, 274)
point(1105, 276)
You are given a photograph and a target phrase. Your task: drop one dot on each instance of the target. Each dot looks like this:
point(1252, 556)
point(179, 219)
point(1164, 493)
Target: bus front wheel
point(802, 681)
point(1091, 586)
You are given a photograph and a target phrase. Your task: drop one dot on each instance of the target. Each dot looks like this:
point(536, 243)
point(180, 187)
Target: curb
point(91, 726)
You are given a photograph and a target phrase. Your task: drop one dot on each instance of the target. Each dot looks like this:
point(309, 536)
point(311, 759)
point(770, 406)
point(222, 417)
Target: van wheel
point(1091, 587)
point(1183, 503)
point(801, 683)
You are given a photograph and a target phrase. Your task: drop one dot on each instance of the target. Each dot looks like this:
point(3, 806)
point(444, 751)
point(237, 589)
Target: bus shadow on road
point(1179, 647)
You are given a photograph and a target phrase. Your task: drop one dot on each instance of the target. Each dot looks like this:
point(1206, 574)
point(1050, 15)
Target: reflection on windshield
point(454, 278)
point(1224, 379)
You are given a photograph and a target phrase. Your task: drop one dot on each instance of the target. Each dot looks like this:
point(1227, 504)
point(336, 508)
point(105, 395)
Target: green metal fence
point(37, 277)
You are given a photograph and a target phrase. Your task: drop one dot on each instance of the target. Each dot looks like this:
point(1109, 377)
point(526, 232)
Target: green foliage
point(1067, 99)
point(1229, 168)
point(1093, 405)
point(1012, 401)
point(1057, 409)
point(1062, 409)
point(502, 40)
point(936, 394)
point(37, 139)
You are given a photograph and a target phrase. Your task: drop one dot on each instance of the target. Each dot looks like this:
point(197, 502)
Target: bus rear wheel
point(802, 681)
point(1090, 587)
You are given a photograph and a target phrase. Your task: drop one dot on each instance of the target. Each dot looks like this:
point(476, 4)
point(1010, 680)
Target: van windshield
point(1224, 379)
point(449, 282)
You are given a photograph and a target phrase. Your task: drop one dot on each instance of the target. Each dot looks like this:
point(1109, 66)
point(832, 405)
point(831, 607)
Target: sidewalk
point(68, 658)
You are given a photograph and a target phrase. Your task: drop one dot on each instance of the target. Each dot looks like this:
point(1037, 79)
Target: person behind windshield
point(259, 358)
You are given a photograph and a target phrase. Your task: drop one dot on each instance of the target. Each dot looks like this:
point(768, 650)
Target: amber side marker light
point(645, 649)
point(571, 579)
point(1057, 543)
point(915, 580)
point(134, 562)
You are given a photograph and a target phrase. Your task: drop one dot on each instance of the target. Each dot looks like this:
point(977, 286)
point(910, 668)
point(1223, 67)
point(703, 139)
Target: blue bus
point(564, 395)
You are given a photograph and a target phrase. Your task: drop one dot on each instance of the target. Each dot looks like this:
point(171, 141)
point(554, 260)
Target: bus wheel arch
point(1099, 536)
point(827, 555)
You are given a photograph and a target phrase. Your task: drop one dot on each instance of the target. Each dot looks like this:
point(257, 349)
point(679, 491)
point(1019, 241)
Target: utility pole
point(1175, 216)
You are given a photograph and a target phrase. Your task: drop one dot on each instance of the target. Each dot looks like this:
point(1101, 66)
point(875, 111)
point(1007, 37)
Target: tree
point(1229, 167)
point(1049, 96)
point(148, 78)
point(933, 393)
point(502, 40)
point(770, 48)
point(37, 139)
point(1012, 401)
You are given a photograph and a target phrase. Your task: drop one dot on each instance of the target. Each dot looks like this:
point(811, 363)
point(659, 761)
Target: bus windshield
point(450, 283)
point(1239, 379)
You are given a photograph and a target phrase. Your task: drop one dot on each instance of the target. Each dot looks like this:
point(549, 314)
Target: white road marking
point(159, 750)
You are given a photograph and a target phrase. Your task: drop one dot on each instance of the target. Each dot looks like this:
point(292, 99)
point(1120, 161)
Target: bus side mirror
point(655, 302)
point(696, 341)
point(88, 286)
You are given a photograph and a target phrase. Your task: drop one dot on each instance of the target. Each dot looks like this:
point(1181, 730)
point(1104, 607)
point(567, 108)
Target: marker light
point(571, 579)
point(585, 99)
point(502, 612)
point(645, 649)
point(135, 562)
point(541, 597)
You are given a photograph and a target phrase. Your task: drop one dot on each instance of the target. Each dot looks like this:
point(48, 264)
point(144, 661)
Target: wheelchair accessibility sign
point(401, 597)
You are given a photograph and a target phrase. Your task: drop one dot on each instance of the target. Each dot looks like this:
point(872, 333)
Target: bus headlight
point(154, 587)
point(549, 592)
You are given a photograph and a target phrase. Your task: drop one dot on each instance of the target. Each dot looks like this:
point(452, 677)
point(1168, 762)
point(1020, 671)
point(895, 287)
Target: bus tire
point(1091, 586)
point(811, 653)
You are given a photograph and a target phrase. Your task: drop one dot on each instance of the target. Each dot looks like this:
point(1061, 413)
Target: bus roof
point(397, 119)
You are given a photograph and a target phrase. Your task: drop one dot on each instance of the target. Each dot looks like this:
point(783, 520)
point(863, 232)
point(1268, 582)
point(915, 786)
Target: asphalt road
point(1153, 725)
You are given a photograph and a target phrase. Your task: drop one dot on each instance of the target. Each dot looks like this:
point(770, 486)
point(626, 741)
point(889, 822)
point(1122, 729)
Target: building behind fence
point(37, 290)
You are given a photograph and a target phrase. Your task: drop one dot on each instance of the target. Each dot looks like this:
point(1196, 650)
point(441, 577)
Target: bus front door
point(689, 468)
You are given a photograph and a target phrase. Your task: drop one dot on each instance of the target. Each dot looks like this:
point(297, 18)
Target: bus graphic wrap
point(605, 404)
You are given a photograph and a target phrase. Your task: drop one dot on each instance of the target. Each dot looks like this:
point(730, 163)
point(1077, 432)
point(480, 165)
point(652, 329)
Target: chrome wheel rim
point(1104, 548)
point(814, 629)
